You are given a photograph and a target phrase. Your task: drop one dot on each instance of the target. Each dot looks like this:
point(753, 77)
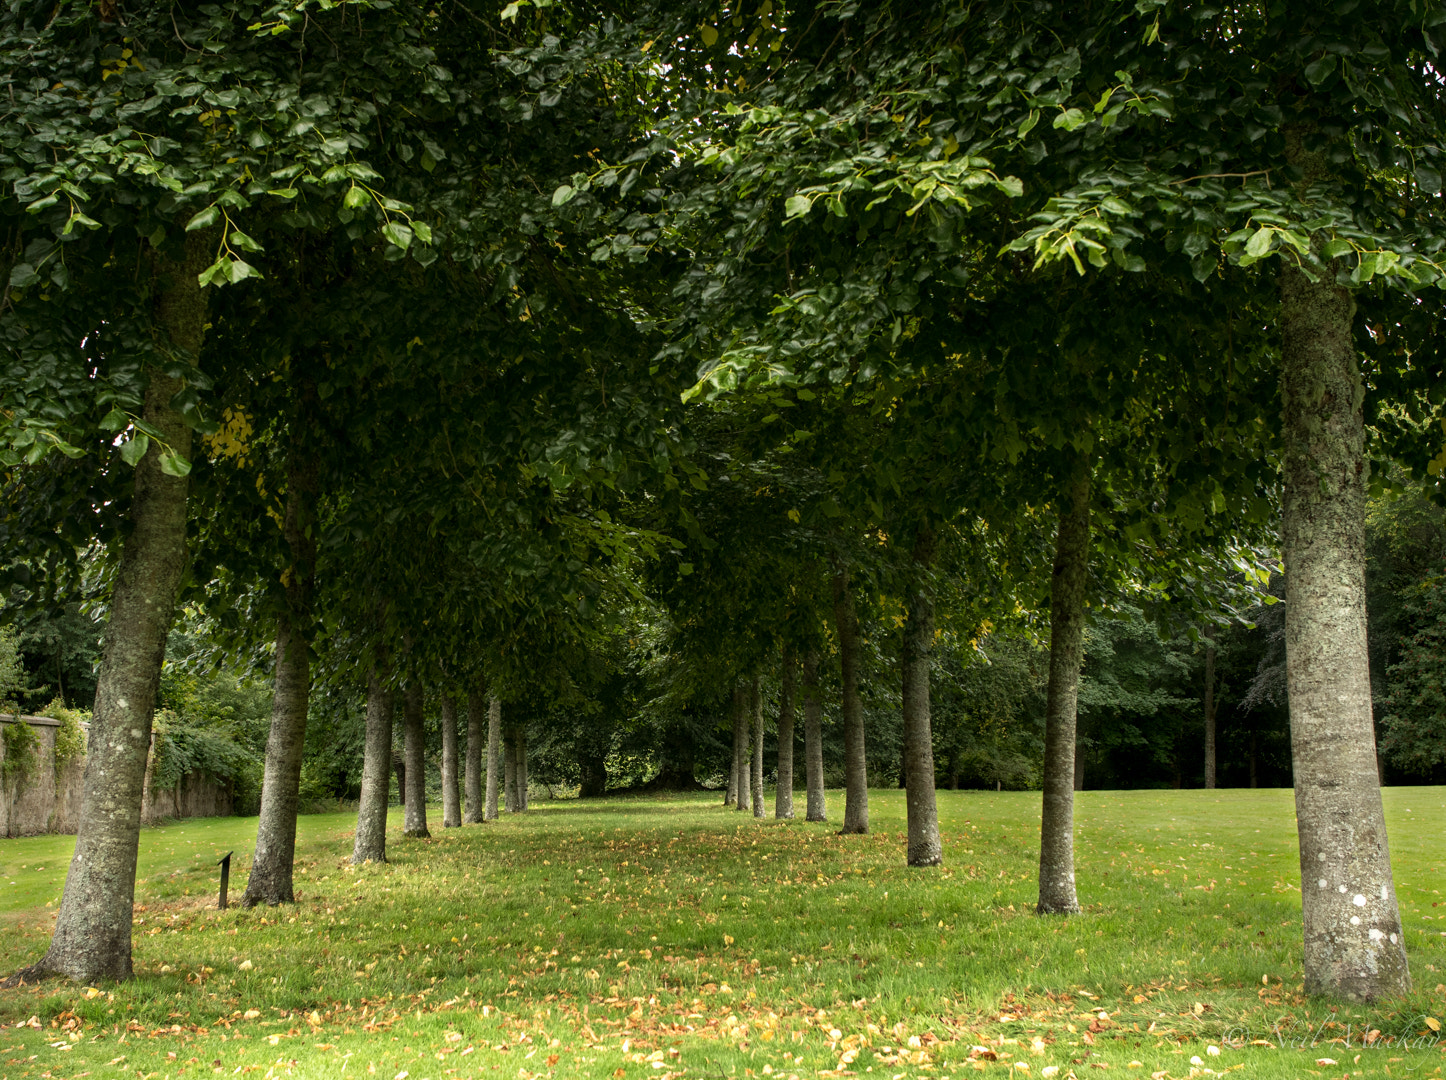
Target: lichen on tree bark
point(1354, 946)
point(1066, 650)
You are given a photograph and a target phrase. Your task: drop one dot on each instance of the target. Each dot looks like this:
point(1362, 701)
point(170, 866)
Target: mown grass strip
point(671, 937)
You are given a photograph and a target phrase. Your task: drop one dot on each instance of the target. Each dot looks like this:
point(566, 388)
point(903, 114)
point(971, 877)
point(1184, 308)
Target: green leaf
point(115, 420)
point(239, 270)
point(1011, 186)
point(398, 234)
point(1321, 69)
point(173, 464)
point(709, 34)
point(564, 195)
point(1070, 119)
point(423, 231)
point(204, 219)
point(509, 13)
point(1027, 124)
point(215, 274)
point(23, 274)
point(133, 449)
point(1428, 180)
point(1260, 242)
point(797, 206)
point(1334, 249)
point(241, 240)
point(356, 198)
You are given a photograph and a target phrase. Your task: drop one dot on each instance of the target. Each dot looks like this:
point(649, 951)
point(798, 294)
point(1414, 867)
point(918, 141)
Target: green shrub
point(69, 736)
point(183, 748)
point(12, 671)
point(22, 751)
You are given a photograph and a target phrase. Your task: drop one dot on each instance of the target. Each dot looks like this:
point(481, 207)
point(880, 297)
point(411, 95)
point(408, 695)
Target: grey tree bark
point(1066, 650)
point(451, 796)
point(414, 746)
point(509, 770)
point(494, 749)
point(856, 780)
point(740, 746)
point(376, 786)
point(270, 881)
point(783, 794)
point(925, 846)
point(730, 791)
point(816, 808)
point(1210, 707)
point(521, 767)
point(472, 808)
point(92, 939)
point(756, 694)
point(1354, 946)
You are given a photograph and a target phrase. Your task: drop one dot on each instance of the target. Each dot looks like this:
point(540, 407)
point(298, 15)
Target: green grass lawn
point(669, 937)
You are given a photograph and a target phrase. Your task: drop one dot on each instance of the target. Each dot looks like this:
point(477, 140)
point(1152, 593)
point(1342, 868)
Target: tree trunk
point(1079, 766)
point(271, 867)
point(740, 746)
point(494, 748)
point(451, 797)
point(92, 938)
point(757, 695)
point(472, 808)
point(817, 805)
point(1066, 635)
point(414, 746)
point(1210, 707)
point(270, 881)
point(1354, 946)
point(925, 846)
point(509, 761)
point(521, 767)
point(399, 766)
point(371, 817)
point(594, 769)
point(856, 779)
point(783, 795)
point(730, 789)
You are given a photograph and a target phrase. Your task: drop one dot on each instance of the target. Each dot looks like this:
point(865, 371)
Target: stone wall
point(47, 802)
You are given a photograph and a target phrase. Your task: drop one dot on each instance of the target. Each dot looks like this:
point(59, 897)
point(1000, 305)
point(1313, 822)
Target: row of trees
point(370, 329)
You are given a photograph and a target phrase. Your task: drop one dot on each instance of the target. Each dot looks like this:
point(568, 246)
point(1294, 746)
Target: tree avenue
point(598, 397)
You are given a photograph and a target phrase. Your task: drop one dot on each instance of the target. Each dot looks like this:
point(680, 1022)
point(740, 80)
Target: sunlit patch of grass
point(668, 936)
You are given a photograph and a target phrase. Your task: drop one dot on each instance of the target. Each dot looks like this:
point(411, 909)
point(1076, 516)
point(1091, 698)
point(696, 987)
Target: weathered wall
point(45, 802)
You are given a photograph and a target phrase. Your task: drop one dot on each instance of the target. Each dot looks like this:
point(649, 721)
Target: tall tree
point(783, 794)
point(371, 818)
point(925, 846)
point(1066, 649)
point(451, 796)
point(817, 806)
point(473, 809)
point(414, 739)
point(93, 927)
point(856, 783)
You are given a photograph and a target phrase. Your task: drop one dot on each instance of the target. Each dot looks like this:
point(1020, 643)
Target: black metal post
point(225, 865)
